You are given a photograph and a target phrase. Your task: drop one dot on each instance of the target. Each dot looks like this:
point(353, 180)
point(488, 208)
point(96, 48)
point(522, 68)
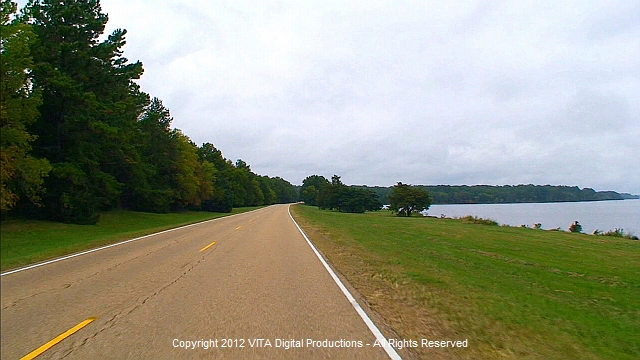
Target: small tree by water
point(575, 227)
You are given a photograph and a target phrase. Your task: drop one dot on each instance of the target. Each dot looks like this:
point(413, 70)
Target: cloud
point(420, 92)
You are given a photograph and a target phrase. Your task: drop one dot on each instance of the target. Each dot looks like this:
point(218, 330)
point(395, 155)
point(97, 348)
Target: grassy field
point(512, 292)
point(27, 241)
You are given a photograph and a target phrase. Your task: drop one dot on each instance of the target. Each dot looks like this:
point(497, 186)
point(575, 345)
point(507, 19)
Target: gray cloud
point(420, 92)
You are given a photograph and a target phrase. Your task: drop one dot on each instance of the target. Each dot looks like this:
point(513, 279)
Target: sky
point(422, 92)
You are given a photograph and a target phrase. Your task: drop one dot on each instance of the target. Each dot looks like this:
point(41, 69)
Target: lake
point(602, 215)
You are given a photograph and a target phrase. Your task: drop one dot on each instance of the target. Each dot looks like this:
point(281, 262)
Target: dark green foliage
point(75, 201)
point(90, 103)
point(477, 220)
point(284, 190)
point(310, 189)
point(108, 144)
point(338, 196)
point(21, 175)
point(221, 199)
point(486, 194)
point(266, 186)
point(358, 201)
point(406, 199)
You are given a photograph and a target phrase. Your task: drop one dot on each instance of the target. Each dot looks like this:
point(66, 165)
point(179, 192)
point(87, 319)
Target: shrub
point(477, 220)
point(575, 227)
point(616, 233)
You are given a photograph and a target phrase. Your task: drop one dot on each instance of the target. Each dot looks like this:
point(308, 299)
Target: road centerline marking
point(57, 339)
point(238, 228)
point(208, 246)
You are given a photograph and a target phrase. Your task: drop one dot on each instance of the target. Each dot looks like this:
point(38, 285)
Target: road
point(236, 279)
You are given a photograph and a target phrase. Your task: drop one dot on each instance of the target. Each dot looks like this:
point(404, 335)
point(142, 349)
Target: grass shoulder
point(25, 242)
point(512, 292)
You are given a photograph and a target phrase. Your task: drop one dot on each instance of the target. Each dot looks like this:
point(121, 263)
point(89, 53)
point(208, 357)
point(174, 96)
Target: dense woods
point(79, 136)
point(487, 194)
point(318, 191)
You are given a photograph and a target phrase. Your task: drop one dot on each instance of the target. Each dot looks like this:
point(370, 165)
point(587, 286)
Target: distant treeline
point(487, 194)
point(79, 136)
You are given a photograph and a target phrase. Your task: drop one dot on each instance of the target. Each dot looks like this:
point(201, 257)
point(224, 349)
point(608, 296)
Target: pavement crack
point(141, 301)
point(79, 280)
point(18, 301)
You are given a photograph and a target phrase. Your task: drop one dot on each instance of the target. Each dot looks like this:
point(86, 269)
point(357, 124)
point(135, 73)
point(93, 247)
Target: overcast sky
point(423, 92)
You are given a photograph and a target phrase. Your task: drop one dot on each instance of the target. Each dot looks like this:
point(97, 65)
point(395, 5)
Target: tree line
point(79, 136)
point(488, 194)
point(316, 190)
point(404, 199)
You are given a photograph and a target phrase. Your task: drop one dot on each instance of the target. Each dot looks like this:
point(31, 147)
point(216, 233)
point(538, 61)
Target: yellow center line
point(58, 339)
point(208, 246)
point(238, 228)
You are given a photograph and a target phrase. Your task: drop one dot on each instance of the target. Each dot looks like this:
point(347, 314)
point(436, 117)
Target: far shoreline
point(533, 202)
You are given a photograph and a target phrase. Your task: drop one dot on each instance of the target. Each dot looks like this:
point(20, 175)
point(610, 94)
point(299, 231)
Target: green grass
point(27, 241)
point(513, 292)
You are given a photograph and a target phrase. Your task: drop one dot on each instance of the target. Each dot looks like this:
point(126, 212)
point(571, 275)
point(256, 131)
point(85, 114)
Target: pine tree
point(89, 110)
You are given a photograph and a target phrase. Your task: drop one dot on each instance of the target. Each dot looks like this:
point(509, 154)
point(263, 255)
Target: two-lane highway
point(224, 282)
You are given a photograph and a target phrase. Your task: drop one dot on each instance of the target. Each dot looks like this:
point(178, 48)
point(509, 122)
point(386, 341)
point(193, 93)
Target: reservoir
point(592, 215)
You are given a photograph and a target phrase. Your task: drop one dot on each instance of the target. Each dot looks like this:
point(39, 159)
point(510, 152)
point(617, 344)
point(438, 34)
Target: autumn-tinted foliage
point(70, 100)
point(21, 174)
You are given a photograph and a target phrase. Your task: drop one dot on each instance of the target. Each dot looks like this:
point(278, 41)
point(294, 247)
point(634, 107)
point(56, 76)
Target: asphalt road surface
point(156, 297)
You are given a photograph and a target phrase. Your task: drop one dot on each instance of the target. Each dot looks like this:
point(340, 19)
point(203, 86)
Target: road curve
point(227, 282)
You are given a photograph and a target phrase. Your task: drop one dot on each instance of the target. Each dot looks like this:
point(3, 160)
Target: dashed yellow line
point(208, 246)
point(58, 339)
point(238, 228)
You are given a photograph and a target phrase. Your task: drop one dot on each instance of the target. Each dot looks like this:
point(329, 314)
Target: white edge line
point(374, 329)
point(118, 244)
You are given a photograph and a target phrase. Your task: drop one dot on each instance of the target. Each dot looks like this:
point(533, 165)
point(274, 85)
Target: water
point(602, 215)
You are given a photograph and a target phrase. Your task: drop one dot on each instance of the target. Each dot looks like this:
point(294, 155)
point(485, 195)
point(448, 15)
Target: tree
point(354, 200)
point(310, 189)
point(90, 105)
point(221, 199)
point(175, 174)
point(329, 194)
point(21, 175)
point(285, 191)
point(153, 190)
point(405, 199)
point(309, 195)
point(336, 195)
point(270, 196)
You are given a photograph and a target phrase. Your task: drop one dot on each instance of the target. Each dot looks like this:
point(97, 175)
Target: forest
point(79, 136)
point(488, 194)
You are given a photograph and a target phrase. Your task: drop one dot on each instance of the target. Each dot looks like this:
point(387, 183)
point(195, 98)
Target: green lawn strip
point(519, 292)
point(29, 241)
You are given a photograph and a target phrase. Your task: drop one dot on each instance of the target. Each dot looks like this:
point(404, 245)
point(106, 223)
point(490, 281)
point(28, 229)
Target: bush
point(476, 220)
point(616, 233)
point(575, 227)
